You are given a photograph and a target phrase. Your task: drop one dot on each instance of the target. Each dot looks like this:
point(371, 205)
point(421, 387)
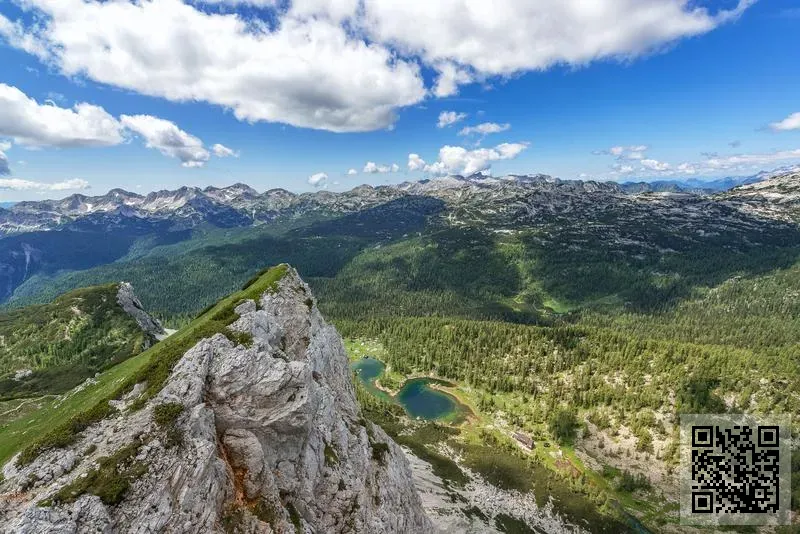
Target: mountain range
point(241, 205)
point(80, 232)
point(575, 315)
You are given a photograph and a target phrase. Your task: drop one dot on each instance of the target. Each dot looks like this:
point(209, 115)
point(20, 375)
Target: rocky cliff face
point(128, 301)
point(264, 436)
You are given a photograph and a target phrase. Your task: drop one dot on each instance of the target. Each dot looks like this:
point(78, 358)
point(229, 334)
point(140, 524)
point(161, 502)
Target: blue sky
point(703, 89)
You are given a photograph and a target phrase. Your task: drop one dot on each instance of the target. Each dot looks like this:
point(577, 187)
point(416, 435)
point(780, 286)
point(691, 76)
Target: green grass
point(557, 306)
point(31, 427)
point(79, 334)
point(165, 415)
point(110, 480)
point(57, 424)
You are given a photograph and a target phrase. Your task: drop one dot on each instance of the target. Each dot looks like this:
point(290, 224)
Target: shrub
point(630, 483)
point(166, 414)
point(331, 458)
point(562, 424)
point(110, 480)
point(379, 451)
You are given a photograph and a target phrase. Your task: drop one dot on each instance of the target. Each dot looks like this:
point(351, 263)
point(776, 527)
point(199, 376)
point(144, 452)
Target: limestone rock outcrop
point(268, 437)
point(128, 301)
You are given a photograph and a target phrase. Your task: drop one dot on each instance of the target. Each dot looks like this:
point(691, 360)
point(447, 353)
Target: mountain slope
point(255, 428)
point(777, 197)
point(555, 211)
point(51, 348)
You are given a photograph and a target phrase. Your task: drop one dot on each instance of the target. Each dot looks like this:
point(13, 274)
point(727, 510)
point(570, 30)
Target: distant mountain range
point(80, 232)
point(240, 205)
point(703, 186)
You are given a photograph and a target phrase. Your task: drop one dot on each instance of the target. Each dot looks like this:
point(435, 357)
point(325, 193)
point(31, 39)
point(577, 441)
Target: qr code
point(734, 470)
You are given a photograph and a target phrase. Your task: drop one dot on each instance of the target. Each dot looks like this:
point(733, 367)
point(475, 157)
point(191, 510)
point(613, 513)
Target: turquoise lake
point(417, 397)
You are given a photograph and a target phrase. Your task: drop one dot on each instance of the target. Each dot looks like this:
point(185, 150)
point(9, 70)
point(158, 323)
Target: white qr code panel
point(735, 469)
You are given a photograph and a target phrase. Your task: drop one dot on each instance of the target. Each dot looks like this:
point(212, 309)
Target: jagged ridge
point(258, 434)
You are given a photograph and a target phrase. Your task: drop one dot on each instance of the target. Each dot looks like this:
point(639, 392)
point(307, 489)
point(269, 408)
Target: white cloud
point(504, 37)
point(712, 165)
point(446, 118)
point(351, 172)
point(343, 65)
point(16, 184)
point(306, 71)
point(632, 152)
point(792, 122)
point(319, 179)
point(623, 168)
point(167, 138)
point(459, 160)
point(415, 163)
point(4, 168)
point(221, 151)
point(373, 168)
point(450, 77)
point(741, 160)
point(32, 124)
point(655, 165)
point(485, 128)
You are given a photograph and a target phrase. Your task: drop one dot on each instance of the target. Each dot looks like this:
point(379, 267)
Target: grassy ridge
point(66, 341)
point(58, 423)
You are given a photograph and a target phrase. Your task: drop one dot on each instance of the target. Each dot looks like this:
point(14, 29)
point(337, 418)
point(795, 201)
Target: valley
point(572, 314)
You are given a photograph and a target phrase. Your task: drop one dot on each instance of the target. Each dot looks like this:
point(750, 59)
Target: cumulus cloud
point(221, 151)
point(319, 179)
point(485, 128)
point(792, 122)
point(505, 37)
point(373, 168)
point(167, 138)
point(450, 77)
point(447, 118)
point(632, 152)
point(38, 125)
point(623, 168)
point(351, 172)
point(32, 124)
point(713, 164)
point(750, 160)
point(655, 165)
point(415, 163)
point(4, 168)
point(17, 184)
point(306, 71)
point(343, 65)
point(459, 160)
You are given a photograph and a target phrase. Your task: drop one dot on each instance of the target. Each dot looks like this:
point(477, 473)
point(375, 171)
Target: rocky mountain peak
point(127, 299)
point(261, 434)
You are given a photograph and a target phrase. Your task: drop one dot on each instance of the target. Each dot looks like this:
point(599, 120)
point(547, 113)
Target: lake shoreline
point(452, 410)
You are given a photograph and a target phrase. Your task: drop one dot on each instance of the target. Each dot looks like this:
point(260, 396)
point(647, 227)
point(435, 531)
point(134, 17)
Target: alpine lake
point(419, 397)
point(422, 399)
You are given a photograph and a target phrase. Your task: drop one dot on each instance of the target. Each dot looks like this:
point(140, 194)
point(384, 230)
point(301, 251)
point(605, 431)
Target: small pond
point(417, 396)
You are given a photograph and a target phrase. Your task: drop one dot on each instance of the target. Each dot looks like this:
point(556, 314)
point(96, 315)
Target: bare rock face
point(130, 303)
point(270, 439)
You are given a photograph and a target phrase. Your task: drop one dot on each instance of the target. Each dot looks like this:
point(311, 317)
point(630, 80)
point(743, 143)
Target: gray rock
point(130, 303)
point(272, 437)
